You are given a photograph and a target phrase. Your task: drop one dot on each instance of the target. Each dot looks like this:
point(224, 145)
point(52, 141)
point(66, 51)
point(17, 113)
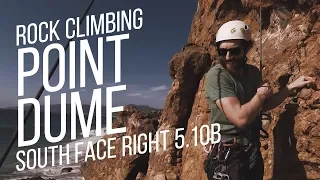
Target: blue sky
point(144, 57)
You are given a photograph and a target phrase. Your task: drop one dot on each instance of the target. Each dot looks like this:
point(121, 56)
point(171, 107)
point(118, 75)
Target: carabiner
point(221, 176)
point(227, 154)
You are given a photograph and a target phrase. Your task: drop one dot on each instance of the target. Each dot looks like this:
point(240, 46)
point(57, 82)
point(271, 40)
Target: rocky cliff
point(132, 164)
point(291, 48)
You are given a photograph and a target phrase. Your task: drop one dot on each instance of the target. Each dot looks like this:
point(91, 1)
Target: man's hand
point(264, 91)
point(277, 98)
point(301, 82)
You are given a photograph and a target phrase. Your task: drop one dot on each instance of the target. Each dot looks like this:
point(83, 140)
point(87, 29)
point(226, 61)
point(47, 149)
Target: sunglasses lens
point(233, 52)
point(222, 52)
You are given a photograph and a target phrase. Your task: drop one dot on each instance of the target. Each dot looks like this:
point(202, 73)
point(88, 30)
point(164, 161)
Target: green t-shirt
point(219, 84)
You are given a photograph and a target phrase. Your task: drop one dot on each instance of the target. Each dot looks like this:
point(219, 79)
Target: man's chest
point(245, 89)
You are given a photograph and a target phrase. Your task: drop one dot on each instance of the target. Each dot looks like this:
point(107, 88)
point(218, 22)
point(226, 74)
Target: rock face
point(186, 68)
point(291, 48)
point(128, 166)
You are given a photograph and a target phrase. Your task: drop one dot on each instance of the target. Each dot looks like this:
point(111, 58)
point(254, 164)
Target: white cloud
point(159, 88)
point(134, 94)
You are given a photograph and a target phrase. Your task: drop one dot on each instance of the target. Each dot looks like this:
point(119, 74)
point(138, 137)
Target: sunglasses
point(233, 51)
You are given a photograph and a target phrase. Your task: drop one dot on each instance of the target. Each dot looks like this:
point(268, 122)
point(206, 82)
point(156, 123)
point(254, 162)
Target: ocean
point(8, 125)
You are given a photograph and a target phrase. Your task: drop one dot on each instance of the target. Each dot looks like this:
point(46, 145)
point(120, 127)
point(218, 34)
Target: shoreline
point(58, 172)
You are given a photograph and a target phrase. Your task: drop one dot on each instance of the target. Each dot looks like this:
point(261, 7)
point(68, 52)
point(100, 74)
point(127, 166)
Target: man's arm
point(277, 98)
point(243, 115)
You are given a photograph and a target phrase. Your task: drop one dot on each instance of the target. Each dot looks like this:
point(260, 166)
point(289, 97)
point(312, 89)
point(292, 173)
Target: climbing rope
point(261, 38)
point(15, 135)
point(265, 133)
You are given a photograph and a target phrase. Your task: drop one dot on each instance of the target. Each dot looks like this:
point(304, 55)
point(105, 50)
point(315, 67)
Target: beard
point(234, 65)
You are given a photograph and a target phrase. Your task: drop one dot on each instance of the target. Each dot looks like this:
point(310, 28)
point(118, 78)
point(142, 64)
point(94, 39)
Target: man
point(236, 96)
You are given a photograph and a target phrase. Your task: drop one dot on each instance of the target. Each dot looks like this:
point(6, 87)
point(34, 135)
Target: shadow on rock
point(286, 162)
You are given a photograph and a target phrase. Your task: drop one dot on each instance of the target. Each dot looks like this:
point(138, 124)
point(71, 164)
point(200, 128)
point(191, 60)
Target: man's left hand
point(301, 82)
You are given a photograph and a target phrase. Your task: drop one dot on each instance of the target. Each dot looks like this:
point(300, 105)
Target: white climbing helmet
point(233, 30)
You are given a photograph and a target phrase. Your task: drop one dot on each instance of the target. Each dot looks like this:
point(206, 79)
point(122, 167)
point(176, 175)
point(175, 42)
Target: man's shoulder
point(254, 74)
point(253, 70)
point(218, 68)
point(216, 72)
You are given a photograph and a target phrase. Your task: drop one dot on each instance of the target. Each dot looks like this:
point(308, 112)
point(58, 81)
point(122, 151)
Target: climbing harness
point(220, 157)
point(15, 135)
